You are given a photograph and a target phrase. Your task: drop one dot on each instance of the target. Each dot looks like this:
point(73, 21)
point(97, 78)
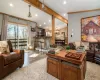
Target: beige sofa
point(85, 44)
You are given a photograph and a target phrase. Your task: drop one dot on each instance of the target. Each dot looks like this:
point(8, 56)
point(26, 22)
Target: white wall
point(74, 22)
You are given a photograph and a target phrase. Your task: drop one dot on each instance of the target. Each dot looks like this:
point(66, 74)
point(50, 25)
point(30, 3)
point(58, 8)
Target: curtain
point(4, 27)
point(31, 34)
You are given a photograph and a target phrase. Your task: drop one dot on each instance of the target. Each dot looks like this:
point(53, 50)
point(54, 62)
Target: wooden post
point(53, 30)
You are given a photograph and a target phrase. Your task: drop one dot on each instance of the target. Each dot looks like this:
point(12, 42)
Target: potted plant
point(67, 48)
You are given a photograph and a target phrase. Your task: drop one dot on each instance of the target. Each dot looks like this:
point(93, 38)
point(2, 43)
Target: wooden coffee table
point(65, 68)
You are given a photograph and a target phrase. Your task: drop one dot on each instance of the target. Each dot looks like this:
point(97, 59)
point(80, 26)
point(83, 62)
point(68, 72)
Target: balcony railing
point(19, 43)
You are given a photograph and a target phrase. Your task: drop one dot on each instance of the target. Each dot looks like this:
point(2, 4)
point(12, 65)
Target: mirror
point(43, 31)
point(61, 32)
point(45, 22)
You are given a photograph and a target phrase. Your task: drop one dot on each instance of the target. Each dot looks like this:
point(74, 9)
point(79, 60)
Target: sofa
point(10, 62)
point(93, 54)
point(77, 44)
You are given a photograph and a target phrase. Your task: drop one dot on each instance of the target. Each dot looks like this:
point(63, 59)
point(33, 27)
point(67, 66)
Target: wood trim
point(84, 11)
point(38, 4)
point(90, 16)
point(67, 33)
point(17, 17)
point(81, 29)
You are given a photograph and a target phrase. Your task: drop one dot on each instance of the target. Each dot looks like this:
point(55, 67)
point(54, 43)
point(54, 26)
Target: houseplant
point(68, 48)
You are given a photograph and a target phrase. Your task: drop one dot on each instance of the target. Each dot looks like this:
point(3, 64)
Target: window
point(18, 35)
point(90, 31)
point(95, 30)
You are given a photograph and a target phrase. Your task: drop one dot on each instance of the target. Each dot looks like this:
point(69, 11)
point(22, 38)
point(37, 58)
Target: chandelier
point(29, 14)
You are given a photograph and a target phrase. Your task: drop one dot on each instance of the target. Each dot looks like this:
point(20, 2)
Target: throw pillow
point(86, 45)
point(4, 48)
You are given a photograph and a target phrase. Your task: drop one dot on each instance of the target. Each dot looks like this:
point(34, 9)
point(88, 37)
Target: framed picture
point(90, 29)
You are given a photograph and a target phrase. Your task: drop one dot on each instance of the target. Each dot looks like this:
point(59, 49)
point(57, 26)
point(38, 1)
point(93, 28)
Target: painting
point(90, 29)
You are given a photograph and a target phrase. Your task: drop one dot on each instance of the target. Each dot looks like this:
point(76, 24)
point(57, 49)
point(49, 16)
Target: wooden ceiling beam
point(38, 5)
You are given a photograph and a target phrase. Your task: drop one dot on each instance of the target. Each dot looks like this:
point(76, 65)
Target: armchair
point(97, 57)
point(92, 50)
point(10, 62)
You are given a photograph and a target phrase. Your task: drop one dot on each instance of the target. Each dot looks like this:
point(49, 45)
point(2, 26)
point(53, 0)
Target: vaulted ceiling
point(71, 5)
point(20, 8)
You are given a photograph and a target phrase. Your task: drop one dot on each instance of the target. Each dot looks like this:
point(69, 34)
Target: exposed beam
point(84, 11)
point(38, 5)
point(53, 30)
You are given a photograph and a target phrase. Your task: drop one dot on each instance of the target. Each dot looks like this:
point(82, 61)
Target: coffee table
point(65, 68)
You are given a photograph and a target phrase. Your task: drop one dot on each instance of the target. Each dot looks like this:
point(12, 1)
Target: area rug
point(37, 71)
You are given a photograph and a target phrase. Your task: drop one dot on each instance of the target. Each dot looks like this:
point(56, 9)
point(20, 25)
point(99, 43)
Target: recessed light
point(11, 5)
point(64, 14)
point(49, 20)
point(64, 2)
point(36, 15)
point(40, 25)
point(44, 23)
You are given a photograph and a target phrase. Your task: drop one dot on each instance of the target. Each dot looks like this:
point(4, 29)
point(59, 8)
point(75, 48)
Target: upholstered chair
point(10, 61)
point(91, 52)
